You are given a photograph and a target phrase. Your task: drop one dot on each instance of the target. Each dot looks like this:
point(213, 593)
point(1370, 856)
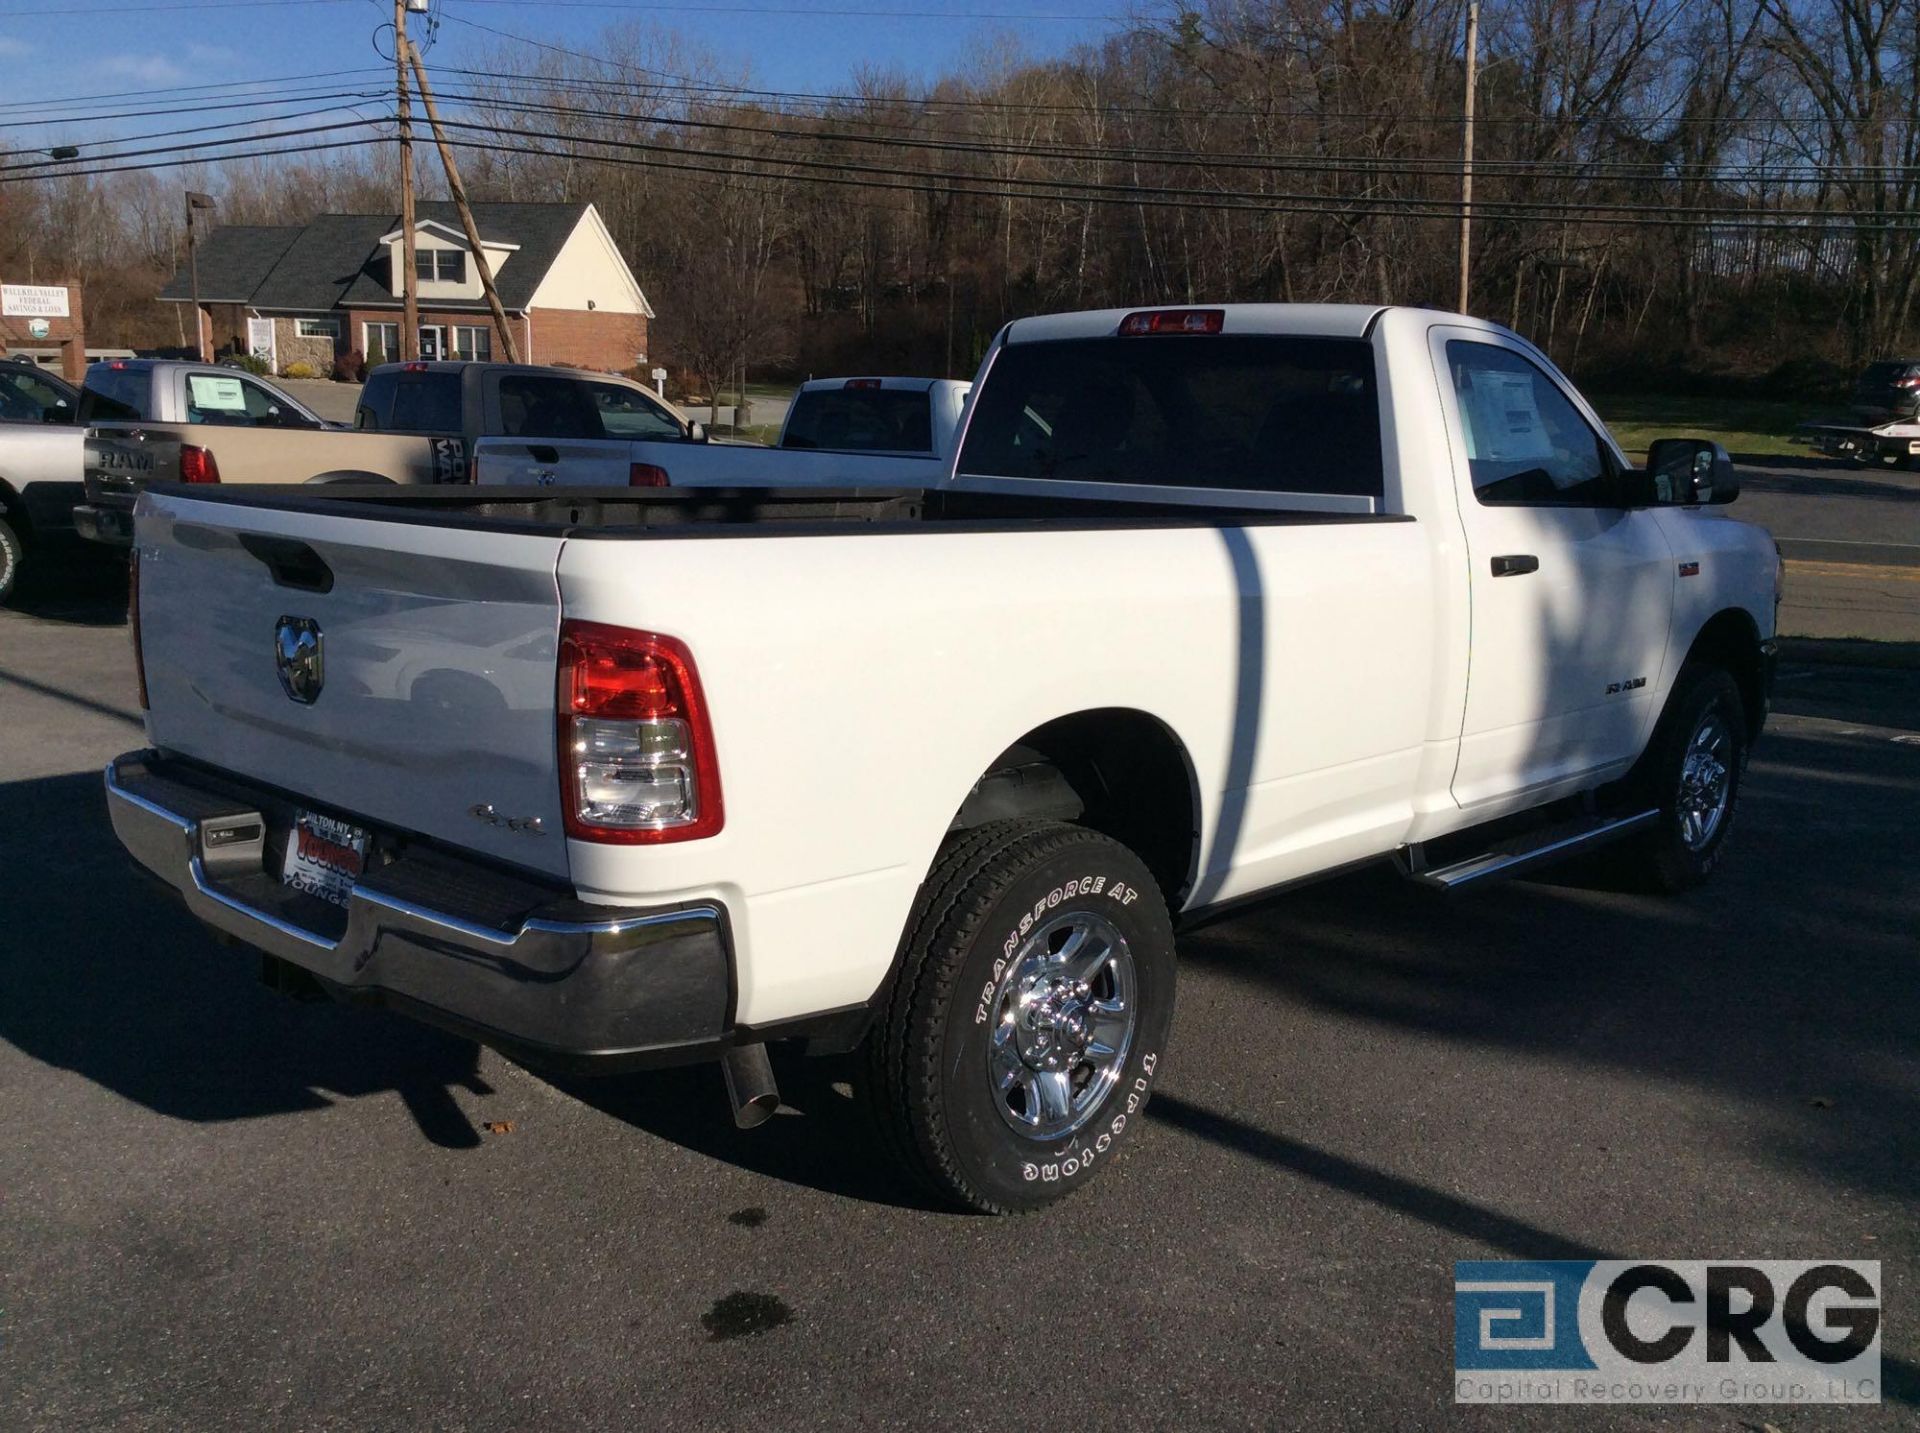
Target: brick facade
point(609, 342)
point(69, 334)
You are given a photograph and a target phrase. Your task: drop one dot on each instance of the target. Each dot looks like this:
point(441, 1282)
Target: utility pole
point(409, 303)
point(1466, 153)
point(200, 345)
point(459, 192)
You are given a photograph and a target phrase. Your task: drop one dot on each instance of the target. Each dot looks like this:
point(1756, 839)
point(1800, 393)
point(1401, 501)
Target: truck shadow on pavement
point(89, 590)
point(823, 1138)
point(105, 977)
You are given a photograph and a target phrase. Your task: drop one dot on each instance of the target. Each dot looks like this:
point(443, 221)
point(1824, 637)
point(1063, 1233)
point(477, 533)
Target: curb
point(1851, 652)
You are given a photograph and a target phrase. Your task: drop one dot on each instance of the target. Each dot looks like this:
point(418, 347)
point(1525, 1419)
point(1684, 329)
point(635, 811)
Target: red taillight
point(1907, 382)
point(197, 465)
point(133, 624)
point(473, 464)
point(636, 749)
point(414, 367)
point(862, 383)
point(1172, 320)
point(116, 365)
point(646, 475)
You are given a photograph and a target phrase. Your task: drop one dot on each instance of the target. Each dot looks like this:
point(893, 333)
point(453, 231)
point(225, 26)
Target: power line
point(1325, 205)
point(292, 98)
point(1127, 192)
point(180, 163)
point(56, 168)
point(824, 12)
point(1394, 166)
point(94, 99)
point(70, 12)
point(714, 88)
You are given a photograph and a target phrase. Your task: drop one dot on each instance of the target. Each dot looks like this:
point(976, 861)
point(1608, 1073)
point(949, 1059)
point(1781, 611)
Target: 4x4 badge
point(298, 657)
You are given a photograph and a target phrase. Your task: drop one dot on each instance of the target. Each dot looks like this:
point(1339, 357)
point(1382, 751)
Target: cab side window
point(625, 413)
point(1526, 442)
point(543, 406)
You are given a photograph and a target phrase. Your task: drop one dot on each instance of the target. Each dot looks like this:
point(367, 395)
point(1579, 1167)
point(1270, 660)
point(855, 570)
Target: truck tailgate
point(434, 690)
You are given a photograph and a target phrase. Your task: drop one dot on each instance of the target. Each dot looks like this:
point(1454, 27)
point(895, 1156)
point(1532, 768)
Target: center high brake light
point(1172, 320)
point(636, 748)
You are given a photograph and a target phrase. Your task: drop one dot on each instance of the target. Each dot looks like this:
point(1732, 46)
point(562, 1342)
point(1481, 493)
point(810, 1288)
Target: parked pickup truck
point(1218, 600)
point(36, 413)
point(161, 421)
point(897, 431)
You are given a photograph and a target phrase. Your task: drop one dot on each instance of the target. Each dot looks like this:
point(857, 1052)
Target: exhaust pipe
point(750, 1086)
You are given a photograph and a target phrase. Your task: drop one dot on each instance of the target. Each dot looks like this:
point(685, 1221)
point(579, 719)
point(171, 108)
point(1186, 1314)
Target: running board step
point(1523, 852)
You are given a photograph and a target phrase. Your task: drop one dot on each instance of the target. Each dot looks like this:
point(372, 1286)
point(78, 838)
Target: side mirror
point(1685, 472)
point(696, 432)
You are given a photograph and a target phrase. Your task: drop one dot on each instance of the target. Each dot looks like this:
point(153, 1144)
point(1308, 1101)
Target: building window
point(317, 327)
point(383, 343)
point(473, 341)
point(446, 266)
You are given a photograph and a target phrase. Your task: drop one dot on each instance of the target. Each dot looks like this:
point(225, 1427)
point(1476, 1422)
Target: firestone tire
point(9, 561)
point(1030, 1017)
point(1693, 772)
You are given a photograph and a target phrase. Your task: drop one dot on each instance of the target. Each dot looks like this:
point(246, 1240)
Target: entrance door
point(432, 341)
point(1572, 590)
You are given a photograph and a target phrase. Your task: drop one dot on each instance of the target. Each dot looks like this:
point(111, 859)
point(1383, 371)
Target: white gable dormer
point(445, 267)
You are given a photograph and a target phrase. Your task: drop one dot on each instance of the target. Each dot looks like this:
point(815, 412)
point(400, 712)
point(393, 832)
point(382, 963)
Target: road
point(223, 1210)
point(1851, 537)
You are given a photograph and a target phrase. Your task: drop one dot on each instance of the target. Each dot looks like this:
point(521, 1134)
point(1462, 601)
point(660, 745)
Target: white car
point(1212, 601)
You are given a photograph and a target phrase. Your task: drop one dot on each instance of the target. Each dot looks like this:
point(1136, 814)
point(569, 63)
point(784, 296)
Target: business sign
point(33, 301)
point(39, 328)
point(261, 342)
point(1666, 1331)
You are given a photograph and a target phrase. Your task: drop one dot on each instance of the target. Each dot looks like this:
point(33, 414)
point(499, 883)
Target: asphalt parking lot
point(221, 1209)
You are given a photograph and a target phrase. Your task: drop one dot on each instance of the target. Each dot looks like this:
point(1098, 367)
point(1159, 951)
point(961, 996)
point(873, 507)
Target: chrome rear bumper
point(510, 961)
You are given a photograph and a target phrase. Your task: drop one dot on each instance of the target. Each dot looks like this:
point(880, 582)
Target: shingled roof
point(338, 259)
point(233, 261)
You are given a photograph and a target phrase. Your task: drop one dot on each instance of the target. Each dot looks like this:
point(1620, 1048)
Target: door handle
point(544, 454)
point(1515, 565)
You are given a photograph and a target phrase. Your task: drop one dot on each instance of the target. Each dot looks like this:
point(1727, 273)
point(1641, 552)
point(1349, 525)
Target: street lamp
point(196, 200)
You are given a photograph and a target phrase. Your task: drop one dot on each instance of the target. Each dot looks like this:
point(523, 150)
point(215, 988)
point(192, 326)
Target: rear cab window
point(1240, 412)
point(416, 402)
point(860, 420)
point(116, 395)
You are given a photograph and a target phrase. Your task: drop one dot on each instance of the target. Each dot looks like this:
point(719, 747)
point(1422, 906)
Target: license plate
point(324, 857)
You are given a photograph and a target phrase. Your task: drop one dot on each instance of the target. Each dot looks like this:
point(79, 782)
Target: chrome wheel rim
point(1704, 782)
point(1063, 1016)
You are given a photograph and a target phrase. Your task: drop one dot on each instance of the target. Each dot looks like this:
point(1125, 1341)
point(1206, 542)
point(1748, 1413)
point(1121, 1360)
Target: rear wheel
point(1693, 771)
point(1030, 1017)
point(9, 561)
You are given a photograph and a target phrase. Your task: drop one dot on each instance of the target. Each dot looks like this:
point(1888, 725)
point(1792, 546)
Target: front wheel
point(1693, 771)
point(1030, 1017)
point(9, 561)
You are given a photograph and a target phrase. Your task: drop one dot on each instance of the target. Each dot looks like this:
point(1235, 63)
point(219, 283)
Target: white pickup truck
point(1217, 601)
point(838, 431)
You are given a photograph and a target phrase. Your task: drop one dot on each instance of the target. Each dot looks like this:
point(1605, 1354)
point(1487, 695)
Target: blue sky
point(116, 49)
